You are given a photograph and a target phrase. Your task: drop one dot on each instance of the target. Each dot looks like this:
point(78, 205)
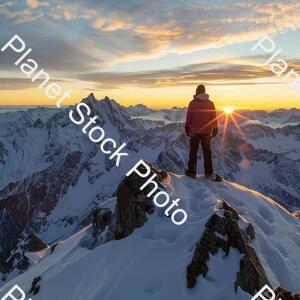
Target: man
point(201, 126)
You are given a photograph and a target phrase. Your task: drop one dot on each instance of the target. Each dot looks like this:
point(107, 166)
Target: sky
point(153, 52)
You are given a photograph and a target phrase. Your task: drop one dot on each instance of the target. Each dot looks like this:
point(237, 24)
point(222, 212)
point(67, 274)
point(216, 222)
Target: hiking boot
point(190, 174)
point(215, 177)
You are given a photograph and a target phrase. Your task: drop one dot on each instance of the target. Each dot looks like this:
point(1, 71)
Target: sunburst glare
point(229, 115)
point(229, 110)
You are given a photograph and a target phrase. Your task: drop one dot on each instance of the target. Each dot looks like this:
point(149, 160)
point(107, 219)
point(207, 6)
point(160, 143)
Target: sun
point(229, 110)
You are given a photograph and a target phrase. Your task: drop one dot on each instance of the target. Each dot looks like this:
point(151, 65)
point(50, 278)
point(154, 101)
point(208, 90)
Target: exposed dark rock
point(131, 210)
point(162, 175)
point(251, 276)
point(38, 123)
point(23, 264)
point(102, 217)
point(283, 294)
point(133, 205)
point(250, 231)
point(36, 289)
point(17, 257)
point(53, 247)
point(35, 285)
point(36, 280)
point(236, 236)
point(209, 243)
point(33, 243)
point(228, 208)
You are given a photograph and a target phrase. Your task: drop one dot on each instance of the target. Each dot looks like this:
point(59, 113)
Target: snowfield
point(151, 262)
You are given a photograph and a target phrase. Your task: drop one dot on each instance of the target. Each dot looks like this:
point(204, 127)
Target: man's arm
point(214, 121)
point(188, 120)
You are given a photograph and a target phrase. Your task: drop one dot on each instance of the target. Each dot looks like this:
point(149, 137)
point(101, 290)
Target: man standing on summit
point(201, 126)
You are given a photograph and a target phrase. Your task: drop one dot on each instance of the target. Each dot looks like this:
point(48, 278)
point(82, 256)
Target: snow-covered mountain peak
point(93, 102)
point(151, 262)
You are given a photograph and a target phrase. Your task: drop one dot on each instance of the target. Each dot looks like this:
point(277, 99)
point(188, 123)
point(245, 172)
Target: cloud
point(15, 84)
point(20, 83)
point(5, 8)
point(152, 28)
point(36, 3)
point(68, 15)
point(7, 4)
point(109, 25)
point(25, 16)
point(35, 9)
point(55, 54)
point(54, 15)
point(185, 75)
point(107, 32)
point(215, 73)
point(68, 12)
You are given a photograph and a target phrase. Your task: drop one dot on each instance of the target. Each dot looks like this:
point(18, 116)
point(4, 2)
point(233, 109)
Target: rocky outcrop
point(221, 234)
point(131, 210)
point(23, 264)
point(283, 294)
point(102, 217)
point(18, 259)
point(133, 205)
point(35, 285)
point(33, 243)
point(251, 276)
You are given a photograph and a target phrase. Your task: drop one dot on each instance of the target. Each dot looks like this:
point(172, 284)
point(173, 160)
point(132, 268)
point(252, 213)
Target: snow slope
point(151, 262)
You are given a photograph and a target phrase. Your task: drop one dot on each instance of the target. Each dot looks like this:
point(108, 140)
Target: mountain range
point(52, 178)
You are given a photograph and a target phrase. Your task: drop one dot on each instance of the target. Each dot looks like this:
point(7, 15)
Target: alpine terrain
point(72, 226)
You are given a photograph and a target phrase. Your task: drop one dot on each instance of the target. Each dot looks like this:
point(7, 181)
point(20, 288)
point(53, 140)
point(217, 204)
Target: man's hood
point(202, 96)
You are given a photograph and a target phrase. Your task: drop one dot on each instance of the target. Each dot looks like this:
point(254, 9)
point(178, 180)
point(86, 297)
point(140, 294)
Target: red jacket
point(201, 116)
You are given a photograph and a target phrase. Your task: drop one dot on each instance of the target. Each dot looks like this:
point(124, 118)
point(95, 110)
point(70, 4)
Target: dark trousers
point(194, 146)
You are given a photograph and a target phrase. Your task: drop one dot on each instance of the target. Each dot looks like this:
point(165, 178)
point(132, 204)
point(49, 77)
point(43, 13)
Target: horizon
point(136, 104)
point(114, 48)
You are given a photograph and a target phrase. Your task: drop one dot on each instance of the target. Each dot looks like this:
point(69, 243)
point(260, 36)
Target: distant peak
point(104, 102)
point(91, 96)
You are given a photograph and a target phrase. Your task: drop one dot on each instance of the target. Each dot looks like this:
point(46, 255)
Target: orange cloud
point(36, 3)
